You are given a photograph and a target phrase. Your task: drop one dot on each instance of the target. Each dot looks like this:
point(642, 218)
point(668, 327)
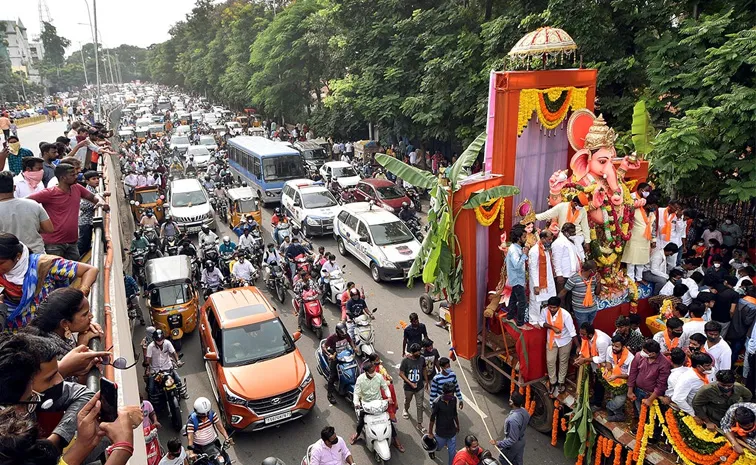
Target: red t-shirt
point(63, 210)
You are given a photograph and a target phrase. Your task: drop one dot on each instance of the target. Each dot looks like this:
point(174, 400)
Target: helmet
point(277, 211)
point(244, 183)
point(226, 239)
point(295, 230)
point(152, 246)
point(354, 292)
point(149, 212)
point(207, 177)
point(205, 228)
point(148, 332)
point(209, 264)
point(202, 405)
point(405, 205)
point(341, 329)
point(272, 461)
point(158, 335)
point(430, 444)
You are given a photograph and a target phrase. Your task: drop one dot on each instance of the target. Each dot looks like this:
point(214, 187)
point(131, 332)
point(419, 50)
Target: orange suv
point(259, 377)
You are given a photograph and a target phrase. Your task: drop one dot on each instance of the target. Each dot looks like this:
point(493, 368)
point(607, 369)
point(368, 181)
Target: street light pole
point(96, 57)
point(84, 64)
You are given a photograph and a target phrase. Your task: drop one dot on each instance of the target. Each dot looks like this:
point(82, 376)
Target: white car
point(182, 130)
point(180, 142)
point(377, 238)
point(234, 128)
point(209, 118)
point(310, 205)
point(189, 205)
point(201, 155)
point(340, 171)
point(209, 142)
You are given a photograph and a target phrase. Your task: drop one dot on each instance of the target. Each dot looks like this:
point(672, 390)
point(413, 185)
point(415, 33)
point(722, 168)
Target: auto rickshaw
point(125, 135)
point(243, 202)
point(142, 134)
point(243, 120)
point(172, 297)
point(147, 197)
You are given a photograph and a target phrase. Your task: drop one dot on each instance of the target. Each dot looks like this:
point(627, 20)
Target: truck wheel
point(543, 416)
point(426, 304)
point(488, 378)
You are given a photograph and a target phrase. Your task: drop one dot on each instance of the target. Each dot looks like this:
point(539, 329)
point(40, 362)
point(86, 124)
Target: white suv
point(310, 206)
point(377, 238)
point(189, 206)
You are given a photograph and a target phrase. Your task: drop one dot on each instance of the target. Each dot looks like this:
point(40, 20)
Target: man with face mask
point(717, 348)
point(368, 388)
point(565, 256)
point(713, 400)
point(656, 270)
point(637, 252)
point(243, 269)
point(670, 338)
point(330, 449)
point(541, 276)
point(470, 454)
point(148, 220)
point(444, 422)
point(616, 366)
point(328, 266)
point(691, 382)
point(649, 373)
point(161, 356)
point(739, 424)
point(711, 232)
point(671, 228)
point(130, 182)
point(272, 255)
point(731, 232)
point(212, 277)
point(16, 155)
point(206, 236)
point(517, 256)
point(573, 212)
point(201, 430)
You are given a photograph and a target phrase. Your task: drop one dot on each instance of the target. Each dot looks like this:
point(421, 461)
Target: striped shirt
point(579, 287)
point(437, 383)
point(205, 433)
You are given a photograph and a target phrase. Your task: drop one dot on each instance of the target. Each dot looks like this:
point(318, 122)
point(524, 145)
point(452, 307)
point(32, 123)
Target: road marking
point(475, 408)
point(390, 352)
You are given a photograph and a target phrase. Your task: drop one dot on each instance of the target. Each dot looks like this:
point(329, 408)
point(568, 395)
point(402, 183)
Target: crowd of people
point(47, 204)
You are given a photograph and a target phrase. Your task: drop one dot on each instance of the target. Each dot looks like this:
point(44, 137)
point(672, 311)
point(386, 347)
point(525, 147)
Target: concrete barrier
point(21, 123)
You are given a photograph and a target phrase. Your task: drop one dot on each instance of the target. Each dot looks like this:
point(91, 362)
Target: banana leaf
point(642, 130)
point(581, 434)
point(457, 171)
point(412, 175)
point(476, 200)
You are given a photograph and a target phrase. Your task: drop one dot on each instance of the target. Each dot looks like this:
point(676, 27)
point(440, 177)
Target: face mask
point(574, 239)
point(728, 221)
point(707, 372)
point(717, 265)
point(643, 354)
point(644, 194)
point(725, 390)
point(34, 176)
point(53, 393)
point(14, 147)
point(712, 338)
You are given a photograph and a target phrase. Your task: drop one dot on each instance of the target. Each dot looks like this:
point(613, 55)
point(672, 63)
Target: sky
point(133, 22)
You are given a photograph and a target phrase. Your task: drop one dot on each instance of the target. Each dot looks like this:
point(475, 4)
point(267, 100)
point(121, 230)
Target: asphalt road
point(395, 302)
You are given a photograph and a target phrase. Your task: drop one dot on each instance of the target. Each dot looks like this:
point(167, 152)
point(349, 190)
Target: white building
point(23, 55)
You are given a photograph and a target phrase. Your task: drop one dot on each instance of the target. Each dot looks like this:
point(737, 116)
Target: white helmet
point(226, 239)
point(202, 405)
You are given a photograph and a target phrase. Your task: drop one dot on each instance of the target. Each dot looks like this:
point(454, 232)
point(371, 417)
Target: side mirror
point(375, 309)
point(296, 336)
point(211, 356)
point(297, 203)
point(364, 239)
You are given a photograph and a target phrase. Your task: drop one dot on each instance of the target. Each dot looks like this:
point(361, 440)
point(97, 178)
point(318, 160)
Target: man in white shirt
point(243, 269)
point(616, 365)
point(560, 330)
point(674, 278)
point(688, 384)
point(413, 158)
point(656, 270)
point(678, 357)
point(717, 347)
point(29, 181)
point(130, 181)
point(161, 355)
point(542, 288)
point(571, 212)
point(671, 228)
point(696, 323)
point(564, 256)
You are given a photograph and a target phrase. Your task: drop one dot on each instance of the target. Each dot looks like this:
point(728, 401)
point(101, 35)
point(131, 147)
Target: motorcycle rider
point(139, 242)
point(284, 245)
point(243, 269)
point(206, 236)
point(334, 344)
point(132, 292)
point(278, 217)
point(152, 252)
point(207, 183)
point(406, 213)
point(368, 388)
point(149, 220)
point(246, 241)
point(326, 269)
point(293, 251)
point(212, 278)
point(187, 248)
point(303, 284)
point(296, 233)
point(355, 307)
point(161, 356)
point(202, 429)
point(190, 165)
point(227, 247)
point(169, 229)
point(130, 182)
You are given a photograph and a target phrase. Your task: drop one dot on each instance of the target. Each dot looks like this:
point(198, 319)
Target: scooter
point(281, 231)
point(364, 334)
point(377, 428)
point(333, 286)
point(414, 196)
point(346, 366)
point(313, 311)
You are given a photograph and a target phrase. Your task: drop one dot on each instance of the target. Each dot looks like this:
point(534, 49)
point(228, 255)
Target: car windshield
point(166, 296)
point(179, 140)
point(233, 124)
point(390, 192)
point(318, 200)
point(255, 343)
point(391, 233)
point(188, 199)
point(147, 197)
point(248, 205)
point(283, 167)
point(317, 154)
point(207, 141)
point(343, 172)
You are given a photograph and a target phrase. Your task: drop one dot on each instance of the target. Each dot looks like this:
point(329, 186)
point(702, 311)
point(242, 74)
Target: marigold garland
point(555, 423)
point(640, 433)
point(487, 212)
point(617, 454)
point(648, 431)
point(599, 447)
point(534, 100)
point(580, 459)
point(701, 432)
point(564, 424)
point(512, 381)
point(688, 455)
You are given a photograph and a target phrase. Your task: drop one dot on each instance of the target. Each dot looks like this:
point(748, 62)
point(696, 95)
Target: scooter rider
point(325, 271)
point(334, 344)
point(212, 278)
point(207, 183)
point(303, 284)
point(201, 429)
point(246, 241)
point(243, 269)
point(278, 217)
point(169, 228)
point(149, 220)
point(368, 388)
point(355, 307)
point(271, 255)
point(406, 213)
point(293, 251)
point(206, 236)
point(153, 252)
point(161, 356)
point(227, 247)
point(187, 248)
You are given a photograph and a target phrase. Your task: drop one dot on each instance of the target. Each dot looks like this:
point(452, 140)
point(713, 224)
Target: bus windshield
point(283, 167)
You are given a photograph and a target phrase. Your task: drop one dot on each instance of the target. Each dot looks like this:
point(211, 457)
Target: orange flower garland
point(557, 116)
point(639, 434)
point(617, 454)
point(679, 444)
point(555, 423)
point(580, 459)
point(629, 460)
point(564, 424)
point(599, 447)
point(608, 446)
point(512, 381)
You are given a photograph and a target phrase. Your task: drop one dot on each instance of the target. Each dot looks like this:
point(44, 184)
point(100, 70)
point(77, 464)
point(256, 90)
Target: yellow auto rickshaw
point(172, 298)
point(146, 197)
point(243, 120)
point(243, 202)
point(142, 134)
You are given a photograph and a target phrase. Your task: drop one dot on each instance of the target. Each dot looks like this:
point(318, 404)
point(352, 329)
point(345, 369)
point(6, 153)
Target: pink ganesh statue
point(610, 206)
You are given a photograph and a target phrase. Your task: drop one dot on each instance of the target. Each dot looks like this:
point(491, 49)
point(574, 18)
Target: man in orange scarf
point(616, 368)
point(540, 276)
point(671, 228)
point(585, 287)
point(560, 331)
point(739, 426)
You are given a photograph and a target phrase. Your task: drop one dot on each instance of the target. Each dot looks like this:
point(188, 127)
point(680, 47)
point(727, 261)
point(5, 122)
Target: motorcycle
point(281, 231)
point(414, 196)
point(346, 365)
point(134, 310)
point(168, 392)
point(209, 290)
point(137, 261)
point(224, 263)
point(413, 224)
point(210, 252)
point(151, 235)
point(171, 245)
point(364, 335)
point(377, 428)
point(333, 286)
point(275, 281)
point(212, 455)
point(346, 195)
point(313, 311)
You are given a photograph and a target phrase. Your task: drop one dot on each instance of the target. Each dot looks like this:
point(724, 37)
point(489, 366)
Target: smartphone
point(108, 400)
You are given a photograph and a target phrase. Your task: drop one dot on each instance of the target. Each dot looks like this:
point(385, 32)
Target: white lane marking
point(469, 403)
point(390, 352)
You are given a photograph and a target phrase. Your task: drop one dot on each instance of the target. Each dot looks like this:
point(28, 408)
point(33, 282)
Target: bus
point(266, 164)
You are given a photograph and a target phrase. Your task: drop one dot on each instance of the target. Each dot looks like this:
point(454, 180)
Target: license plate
point(275, 418)
point(329, 228)
point(194, 229)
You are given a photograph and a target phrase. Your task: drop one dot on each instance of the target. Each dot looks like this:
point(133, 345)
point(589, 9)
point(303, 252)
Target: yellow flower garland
point(486, 213)
point(530, 102)
point(703, 433)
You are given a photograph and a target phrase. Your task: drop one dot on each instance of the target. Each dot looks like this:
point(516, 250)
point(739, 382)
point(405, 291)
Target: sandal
point(353, 439)
point(399, 447)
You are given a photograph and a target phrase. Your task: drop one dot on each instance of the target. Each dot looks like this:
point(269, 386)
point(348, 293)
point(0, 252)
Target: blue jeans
point(584, 317)
point(451, 446)
point(518, 304)
point(640, 394)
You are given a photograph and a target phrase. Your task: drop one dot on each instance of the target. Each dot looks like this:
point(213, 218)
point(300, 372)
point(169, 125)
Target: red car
point(384, 193)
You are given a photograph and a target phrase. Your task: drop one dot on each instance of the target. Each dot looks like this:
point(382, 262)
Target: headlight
point(311, 221)
point(233, 398)
point(307, 378)
point(389, 264)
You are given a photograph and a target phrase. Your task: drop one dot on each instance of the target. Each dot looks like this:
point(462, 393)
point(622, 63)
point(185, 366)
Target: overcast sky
point(133, 22)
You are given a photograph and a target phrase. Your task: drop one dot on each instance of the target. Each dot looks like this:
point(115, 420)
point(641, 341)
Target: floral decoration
point(551, 105)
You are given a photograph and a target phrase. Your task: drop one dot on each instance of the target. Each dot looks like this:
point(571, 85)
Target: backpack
point(195, 421)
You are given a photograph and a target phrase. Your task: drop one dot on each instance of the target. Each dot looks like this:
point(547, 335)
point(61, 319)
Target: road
point(31, 136)
point(395, 302)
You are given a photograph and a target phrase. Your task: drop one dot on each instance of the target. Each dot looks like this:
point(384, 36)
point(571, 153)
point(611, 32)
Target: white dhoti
point(537, 301)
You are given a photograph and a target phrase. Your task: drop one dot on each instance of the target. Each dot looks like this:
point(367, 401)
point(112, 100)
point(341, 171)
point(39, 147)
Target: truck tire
point(543, 416)
point(488, 378)
point(426, 304)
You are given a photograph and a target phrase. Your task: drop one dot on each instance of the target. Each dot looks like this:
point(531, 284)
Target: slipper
point(353, 439)
point(399, 447)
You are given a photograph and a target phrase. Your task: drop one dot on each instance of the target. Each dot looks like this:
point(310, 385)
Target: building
point(24, 55)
